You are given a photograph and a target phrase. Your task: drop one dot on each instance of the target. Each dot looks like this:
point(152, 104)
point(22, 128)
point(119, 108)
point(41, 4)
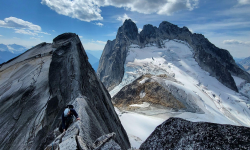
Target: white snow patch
point(142, 94)
point(143, 80)
point(238, 81)
point(138, 126)
point(144, 104)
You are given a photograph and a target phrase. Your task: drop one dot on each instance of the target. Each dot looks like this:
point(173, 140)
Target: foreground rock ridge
point(37, 85)
point(177, 133)
point(218, 62)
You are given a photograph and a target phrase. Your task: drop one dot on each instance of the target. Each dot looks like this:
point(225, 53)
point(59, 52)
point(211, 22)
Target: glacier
point(175, 58)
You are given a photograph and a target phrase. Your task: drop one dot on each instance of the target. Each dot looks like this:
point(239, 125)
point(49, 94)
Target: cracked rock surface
point(177, 133)
point(37, 85)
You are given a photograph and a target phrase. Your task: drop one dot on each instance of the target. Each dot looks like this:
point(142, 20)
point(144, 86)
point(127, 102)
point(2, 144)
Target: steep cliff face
point(37, 85)
point(176, 133)
point(218, 62)
point(111, 65)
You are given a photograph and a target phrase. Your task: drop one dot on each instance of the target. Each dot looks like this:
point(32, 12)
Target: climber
point(67, 118)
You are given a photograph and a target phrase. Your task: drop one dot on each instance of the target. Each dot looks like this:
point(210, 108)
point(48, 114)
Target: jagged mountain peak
point(218, 62)
point(148, 31)
point(129, 28)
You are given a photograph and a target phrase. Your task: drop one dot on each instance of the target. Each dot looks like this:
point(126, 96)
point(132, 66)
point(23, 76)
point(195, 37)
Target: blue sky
point(226, 23)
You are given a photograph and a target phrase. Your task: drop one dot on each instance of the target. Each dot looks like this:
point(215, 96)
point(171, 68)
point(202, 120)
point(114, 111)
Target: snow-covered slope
point(216, 61)
point(219, 103)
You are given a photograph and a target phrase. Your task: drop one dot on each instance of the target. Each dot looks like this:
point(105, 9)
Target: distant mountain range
point(93, 60)
point(13, 48)
point(244, 64)
point(8, 52)
point(5, 56)
point(95, 53)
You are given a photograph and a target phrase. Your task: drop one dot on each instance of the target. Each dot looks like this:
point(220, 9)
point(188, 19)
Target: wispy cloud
point(89, 10)
point(29, 32)
point(239, 11)
point(23, 31)
point(53, 30)
point(101, 42)
point(111, 34)
point(123, 18)
point(13, 22)
point(34, 38)
point(22, 27)
point(0, 35)
point(99, 24)
point(140, 29)
point(236, 42)
point(227, 24)
point(42, 32)
point(244, 2)
point(93, 45)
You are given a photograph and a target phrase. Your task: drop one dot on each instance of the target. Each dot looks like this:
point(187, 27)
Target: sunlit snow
point(220, 104)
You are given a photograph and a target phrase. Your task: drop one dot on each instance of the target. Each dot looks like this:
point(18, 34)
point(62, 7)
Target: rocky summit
point(218, 62)
point(177, 133)
point(36, 86)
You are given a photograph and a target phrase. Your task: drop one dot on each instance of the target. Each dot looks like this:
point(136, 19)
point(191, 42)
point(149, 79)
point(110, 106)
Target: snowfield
point(219, 103)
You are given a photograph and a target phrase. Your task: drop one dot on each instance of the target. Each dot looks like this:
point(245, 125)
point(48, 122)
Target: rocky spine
point(41, 82)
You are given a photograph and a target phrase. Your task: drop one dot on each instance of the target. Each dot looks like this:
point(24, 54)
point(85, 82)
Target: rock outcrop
point(218, 62)
point(37, 85)
point(149, 92)
point(176, 133)
point(111, 64)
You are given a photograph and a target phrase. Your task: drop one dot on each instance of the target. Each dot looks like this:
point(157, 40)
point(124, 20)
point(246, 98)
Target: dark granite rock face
point(38, 85)
point(111, 65)
point(129, 29)
point(176, 133)
point(218, 62)
point(147, 33)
